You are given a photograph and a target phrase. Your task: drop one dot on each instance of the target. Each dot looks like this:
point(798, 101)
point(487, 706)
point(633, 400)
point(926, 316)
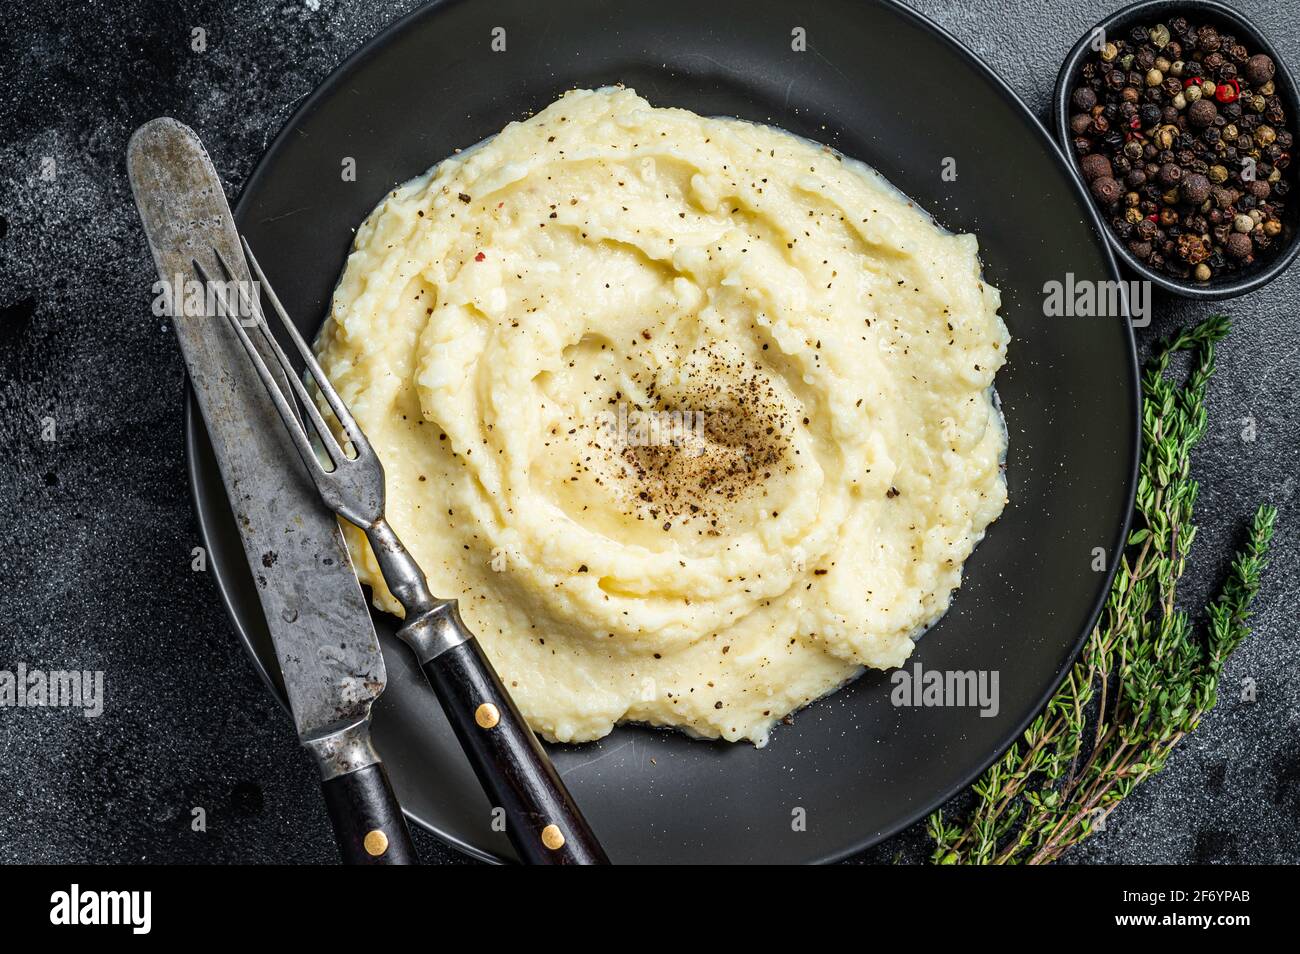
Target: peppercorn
point(1195, 188)
point(1202, 113)
point(1084, 98)
point(1239, 245)
point(1106, 190)
point(1260, 69)
point(1161, 142)
point(1170, 174)
point(1095, 166)
point(1192, 248)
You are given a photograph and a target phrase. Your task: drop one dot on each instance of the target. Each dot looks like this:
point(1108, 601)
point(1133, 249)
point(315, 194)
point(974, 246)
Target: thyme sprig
point(1145, 677)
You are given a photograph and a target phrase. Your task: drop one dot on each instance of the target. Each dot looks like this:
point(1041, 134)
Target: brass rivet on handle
point(376, 843)
point(552, 837)
point(487, 716)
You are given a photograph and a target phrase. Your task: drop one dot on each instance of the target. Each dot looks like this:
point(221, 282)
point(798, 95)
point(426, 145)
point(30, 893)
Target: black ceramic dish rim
point(371, 47)
point(1156, 11)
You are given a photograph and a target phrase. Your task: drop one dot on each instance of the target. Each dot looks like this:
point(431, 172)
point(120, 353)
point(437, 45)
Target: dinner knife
point(320, 625)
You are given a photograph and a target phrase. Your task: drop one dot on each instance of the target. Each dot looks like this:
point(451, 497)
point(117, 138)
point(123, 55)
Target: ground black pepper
point(1182, 139)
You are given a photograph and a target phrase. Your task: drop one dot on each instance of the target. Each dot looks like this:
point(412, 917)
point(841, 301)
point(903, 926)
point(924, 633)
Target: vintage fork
point(542, 820)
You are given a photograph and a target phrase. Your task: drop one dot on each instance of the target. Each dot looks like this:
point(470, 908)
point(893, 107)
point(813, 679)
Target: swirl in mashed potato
point(831, 351)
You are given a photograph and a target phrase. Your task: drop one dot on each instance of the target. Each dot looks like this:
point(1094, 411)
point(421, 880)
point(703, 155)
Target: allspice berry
point(1106, 190)
point(1095, 166)
point(1195, 188)
point(1202, 112)
point(1259, 69)
point(1171, 173)
point(1239, 245)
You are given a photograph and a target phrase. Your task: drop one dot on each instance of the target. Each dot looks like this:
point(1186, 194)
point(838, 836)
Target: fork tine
point(278, 398)
point(332, 447)
point(345, 418)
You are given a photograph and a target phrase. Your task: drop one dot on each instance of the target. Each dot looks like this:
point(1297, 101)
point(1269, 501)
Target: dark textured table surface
point(95, 571)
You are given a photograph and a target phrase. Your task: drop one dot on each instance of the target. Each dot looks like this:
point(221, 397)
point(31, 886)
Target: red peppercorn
point(1226, 91)
point(479, 257)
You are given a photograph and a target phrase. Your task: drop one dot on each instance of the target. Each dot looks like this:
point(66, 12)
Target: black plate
point(884, 85)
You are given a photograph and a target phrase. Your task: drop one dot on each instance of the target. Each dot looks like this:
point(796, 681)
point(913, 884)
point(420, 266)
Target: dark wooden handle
point(542, 820)
point(367, 820)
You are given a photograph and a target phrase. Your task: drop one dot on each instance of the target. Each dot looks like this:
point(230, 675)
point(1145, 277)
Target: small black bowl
point(1151, 12)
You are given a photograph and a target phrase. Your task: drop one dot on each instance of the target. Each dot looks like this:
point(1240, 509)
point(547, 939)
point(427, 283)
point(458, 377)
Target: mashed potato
point(692, 416)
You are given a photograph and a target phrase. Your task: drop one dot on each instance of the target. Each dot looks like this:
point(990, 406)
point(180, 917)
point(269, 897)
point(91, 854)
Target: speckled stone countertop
point(99, 526)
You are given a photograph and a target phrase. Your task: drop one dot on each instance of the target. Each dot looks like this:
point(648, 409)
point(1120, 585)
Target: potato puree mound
point(694, 417)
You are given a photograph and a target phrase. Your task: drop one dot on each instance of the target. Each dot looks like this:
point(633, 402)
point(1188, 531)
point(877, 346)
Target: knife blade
point(320, 625)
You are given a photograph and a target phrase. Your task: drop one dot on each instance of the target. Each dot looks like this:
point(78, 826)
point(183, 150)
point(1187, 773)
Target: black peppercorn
point(1171, 174)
